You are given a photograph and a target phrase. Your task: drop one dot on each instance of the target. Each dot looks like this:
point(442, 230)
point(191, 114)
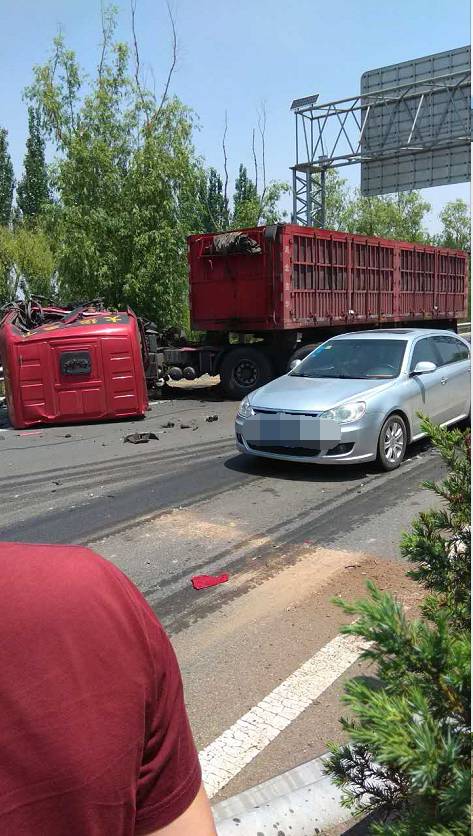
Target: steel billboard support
point(407, 122)
point(309, 197)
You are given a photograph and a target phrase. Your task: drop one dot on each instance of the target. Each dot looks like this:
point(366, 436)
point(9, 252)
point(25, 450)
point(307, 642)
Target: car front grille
point(259, 411)
point(280, 450)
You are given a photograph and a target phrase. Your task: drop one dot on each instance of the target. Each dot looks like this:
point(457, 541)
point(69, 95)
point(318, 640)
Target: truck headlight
point(245, 409)
point(346, 413)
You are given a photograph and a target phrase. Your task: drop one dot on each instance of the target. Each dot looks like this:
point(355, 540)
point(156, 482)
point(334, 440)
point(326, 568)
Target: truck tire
point(244, 369)
point(301, 353)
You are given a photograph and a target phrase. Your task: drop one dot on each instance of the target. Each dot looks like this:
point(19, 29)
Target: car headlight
point(345, 413)
point(245, 409)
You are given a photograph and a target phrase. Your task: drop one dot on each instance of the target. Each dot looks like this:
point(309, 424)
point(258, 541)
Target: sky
point(238, 57)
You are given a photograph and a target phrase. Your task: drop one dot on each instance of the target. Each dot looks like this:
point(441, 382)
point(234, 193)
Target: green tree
point(456, 226)
point(127, 179)
point(214, 206)
point(33, 190)
point(400, 217)
point(7, 180)
point(337, 200)
point(251, 208)
point(26, 263)
point(408, 753)
point(246, 203)
point(270, 212)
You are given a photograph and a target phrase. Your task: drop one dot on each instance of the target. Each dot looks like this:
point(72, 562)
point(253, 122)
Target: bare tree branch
point(137, 59)
point(225, 160)
point(157, 112)
point(255, 160)
point(153, 77)
point(211, 214)
point(104, 40)
point(262, 130)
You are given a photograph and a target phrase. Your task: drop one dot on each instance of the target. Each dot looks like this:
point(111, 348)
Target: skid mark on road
point(224, 759)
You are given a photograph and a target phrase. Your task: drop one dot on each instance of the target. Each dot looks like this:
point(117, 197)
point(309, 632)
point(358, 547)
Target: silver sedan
point(357, 398)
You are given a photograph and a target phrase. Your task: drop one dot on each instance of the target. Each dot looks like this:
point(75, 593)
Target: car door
point(455, 376)
point(425, 391)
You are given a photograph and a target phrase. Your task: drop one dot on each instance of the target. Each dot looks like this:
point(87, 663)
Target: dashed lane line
point(226, 756)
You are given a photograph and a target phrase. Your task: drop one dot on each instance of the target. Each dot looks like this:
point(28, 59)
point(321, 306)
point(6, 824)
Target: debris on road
point(169, 425)
point(211, 418)
point(141, 438)
point(203, 581)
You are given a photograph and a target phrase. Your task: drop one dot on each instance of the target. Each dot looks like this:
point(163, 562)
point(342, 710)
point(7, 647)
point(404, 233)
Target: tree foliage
point(27, 263)
point(127, 179)
point(32, 192)
point(215, 212)
point(246, 202)
point(401, 217)
point(456, 226)
point(408, 753)
point(251, 208)
point(7, 180)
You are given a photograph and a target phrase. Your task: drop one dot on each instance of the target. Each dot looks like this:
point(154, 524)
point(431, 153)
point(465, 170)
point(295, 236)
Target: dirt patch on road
point(306, 580)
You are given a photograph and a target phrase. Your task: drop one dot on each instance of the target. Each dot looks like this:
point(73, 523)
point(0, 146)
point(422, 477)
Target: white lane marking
point(226, 756)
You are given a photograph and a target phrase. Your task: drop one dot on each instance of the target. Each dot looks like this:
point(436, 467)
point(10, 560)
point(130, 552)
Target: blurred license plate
point(292, 431)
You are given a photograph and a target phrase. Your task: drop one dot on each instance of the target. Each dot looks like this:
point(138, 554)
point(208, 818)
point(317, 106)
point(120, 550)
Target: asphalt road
point(291, 538)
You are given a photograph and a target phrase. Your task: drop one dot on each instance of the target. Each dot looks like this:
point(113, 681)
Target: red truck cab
point(86, 366)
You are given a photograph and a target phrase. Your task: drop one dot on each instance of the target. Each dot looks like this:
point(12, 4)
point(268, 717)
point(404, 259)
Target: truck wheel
point(244, 369)
point(301, 353)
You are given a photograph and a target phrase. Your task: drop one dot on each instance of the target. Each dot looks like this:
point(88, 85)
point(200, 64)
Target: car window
point(354, 359)
point(451, 350)
point(425, 351)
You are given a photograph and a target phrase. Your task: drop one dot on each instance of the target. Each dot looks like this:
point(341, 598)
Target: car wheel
point(392, 442)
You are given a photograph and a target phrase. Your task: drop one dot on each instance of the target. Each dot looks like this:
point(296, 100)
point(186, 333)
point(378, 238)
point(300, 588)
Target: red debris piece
point(203, 581)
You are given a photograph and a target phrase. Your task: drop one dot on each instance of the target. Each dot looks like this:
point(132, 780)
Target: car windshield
point(352, 359)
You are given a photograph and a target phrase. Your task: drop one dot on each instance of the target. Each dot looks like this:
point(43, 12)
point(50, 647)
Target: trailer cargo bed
point(298, 277)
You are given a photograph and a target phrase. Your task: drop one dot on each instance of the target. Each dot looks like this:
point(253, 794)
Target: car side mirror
point(424, 367)
point(294, 363)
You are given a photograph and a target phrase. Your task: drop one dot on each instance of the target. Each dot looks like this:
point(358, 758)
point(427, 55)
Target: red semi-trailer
point(267, 295)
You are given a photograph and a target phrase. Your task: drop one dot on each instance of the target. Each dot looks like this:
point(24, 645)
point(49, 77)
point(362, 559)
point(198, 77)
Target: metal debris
point(141, 438)
point(211, 418)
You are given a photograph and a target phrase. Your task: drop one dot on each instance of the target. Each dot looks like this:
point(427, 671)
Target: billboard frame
point(349, 121)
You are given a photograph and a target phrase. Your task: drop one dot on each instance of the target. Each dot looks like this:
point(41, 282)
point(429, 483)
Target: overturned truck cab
point(62, 366)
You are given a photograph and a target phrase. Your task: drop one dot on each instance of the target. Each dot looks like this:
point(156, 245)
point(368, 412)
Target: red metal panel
point(234, 291)
point(40, 390)
point(307, 277)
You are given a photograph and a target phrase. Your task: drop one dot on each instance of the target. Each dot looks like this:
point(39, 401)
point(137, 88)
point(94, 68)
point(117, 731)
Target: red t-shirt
point(94, 735)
